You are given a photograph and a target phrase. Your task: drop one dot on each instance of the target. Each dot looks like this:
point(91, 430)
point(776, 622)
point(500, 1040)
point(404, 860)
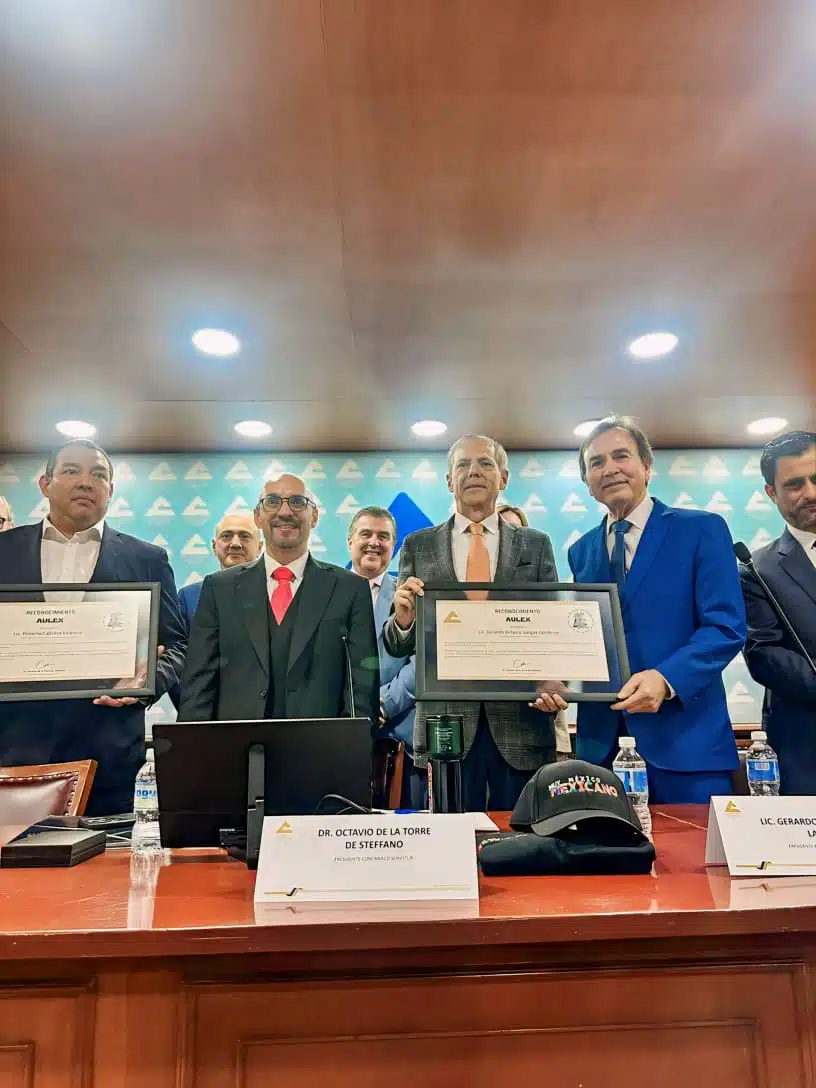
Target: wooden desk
point(683, 978)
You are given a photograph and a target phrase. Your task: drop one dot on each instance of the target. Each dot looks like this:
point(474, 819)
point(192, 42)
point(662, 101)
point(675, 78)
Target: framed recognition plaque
point(78, 641)
point(511, 641)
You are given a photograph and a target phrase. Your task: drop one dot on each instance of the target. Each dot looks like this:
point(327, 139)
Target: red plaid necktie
point(282, 593)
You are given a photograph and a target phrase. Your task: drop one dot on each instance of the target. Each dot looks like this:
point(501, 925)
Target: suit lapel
point(599, 554)
point(313, 597)
point(511, 542)
point(383, 606)
point(107, 560)
point(447, 571)
point(253, 608)
point(30, 561)
point(650, 543)
point(795, 563)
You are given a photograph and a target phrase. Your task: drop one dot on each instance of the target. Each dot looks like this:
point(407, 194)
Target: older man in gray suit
point(505, 742)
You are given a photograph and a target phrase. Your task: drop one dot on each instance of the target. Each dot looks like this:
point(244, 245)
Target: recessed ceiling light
point(769, 425)
point(253, 428)
point(583, 429)
point(429, 428)
point(216, 342)
point(653, 345)
point(76, 428)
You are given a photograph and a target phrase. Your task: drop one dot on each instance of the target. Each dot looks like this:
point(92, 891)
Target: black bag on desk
point(566, 854)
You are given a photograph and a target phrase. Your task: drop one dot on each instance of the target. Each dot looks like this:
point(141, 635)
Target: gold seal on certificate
point(78, 641)
point(509, 641)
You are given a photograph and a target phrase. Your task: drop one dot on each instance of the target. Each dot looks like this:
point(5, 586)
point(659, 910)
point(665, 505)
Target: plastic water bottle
point(146, 838)
point(630, 767)
point(762, 766)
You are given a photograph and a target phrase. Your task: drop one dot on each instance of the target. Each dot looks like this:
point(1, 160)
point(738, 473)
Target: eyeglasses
point(296, 503)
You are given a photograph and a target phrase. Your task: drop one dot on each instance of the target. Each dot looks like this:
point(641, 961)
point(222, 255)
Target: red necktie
point(282, 593)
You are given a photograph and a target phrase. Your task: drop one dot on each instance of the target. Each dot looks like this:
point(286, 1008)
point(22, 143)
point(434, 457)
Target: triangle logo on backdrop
point(8, 475)
point(122, 472)
point(424, 470)
point(239, 505)
point(570, 470)
point(349, 470)
point(760, 538)
point(196, 509)
point(119, 509)
point(239, 471)
point(751, 466)
point(684, 501)
point(197, 471)
point(316, 544)
point(532, 470)
point(534, 505)
point(681, 466)
point(274, 469)
point(758, 503)
point(349, 505)
point(313, 471)
point(388, 471)
point(715, 467)
point(162, 471)
point(40, 510)
point(193, 578)
point(573, 504)
point(718, 504)
point(161, 508)
point(195, 546)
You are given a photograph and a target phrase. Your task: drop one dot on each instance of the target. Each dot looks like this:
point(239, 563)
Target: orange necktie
point(478, 561)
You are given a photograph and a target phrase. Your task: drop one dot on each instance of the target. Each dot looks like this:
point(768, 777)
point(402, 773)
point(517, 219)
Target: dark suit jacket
point(523, 735)
point(188, 603)
point(774, 660)
point(46, 731)
point(682, 615)
point(227, 672)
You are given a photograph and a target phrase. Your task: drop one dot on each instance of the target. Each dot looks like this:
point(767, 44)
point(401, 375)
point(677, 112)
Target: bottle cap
point(627, 742)
point(759, 734)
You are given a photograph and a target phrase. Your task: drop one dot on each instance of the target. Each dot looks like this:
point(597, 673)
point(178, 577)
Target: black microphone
point(744, 555)
point(349, 679)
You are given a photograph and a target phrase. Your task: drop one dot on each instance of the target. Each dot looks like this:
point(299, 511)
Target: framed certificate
point(78, 641)
point(511, 641)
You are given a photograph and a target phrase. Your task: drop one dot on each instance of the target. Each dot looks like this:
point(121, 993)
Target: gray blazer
point(523, 735)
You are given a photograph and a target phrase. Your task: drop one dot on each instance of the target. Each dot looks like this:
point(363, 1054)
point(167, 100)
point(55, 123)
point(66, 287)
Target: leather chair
point(29, 794)
point(389, 763)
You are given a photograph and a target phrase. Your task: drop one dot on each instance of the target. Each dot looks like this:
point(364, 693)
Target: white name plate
point(773, 835)
point(325, 859)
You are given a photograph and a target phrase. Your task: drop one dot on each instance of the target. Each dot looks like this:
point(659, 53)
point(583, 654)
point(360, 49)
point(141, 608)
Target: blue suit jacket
point(774, 660)
point(397, 676)
point(58, 730)
point(188, 602)
point(683, 614)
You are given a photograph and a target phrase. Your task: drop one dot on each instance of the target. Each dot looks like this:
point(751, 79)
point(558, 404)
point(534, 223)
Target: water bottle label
point(763, 770)
point(145, 798)
point(635, 779)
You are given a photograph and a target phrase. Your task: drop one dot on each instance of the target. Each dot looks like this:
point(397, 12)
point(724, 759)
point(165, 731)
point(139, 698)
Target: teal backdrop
point(175, 500)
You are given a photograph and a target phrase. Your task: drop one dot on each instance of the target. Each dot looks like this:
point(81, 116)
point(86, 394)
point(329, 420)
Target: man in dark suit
point(73, 544)
point(236, 541)
point(788, 565)
point(683, 618)
point(505, 742)
point(269, 640)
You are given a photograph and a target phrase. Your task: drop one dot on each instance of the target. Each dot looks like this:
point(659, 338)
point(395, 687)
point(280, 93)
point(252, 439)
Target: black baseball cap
point(560, 795)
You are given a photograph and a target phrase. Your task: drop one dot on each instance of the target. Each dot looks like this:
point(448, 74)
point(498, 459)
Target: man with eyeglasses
point(236, 540)
point(6, 516)
point(270, 638)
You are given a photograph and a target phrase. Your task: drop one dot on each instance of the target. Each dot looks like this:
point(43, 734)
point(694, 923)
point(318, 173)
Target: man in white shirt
point(270, 638)
point(74, 544)
point(788, 565)
point(372, 536)
point(505, 742)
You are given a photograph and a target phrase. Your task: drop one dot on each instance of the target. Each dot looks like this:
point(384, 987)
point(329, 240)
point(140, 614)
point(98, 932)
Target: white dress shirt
point(637, 519)
point(460, 542)
point(297, 567)
point(68, 559)
point(807, 540)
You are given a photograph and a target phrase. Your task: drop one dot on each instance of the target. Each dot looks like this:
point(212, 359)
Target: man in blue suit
point(788, 565)
point(236, 541)
point(683, 617)
point(74, 544)
point(371, 538)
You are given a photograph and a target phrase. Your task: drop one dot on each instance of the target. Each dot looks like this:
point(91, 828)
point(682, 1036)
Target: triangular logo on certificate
point(452, 617)
point(284, 829)
point(732, 806)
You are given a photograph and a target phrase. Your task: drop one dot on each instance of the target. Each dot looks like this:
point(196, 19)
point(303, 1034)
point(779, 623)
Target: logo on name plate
point(284, 829)
point(732, 806)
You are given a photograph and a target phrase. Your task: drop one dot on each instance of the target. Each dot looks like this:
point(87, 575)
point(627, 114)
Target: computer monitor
point(216, 777)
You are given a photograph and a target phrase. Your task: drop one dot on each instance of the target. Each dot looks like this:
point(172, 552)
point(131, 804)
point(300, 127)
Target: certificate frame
point(147, 605)
point(429, 686)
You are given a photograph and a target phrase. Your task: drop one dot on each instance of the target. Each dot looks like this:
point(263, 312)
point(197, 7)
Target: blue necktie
point(617, 563)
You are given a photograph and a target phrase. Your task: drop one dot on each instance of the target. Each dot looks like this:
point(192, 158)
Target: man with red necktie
point(270, 639)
